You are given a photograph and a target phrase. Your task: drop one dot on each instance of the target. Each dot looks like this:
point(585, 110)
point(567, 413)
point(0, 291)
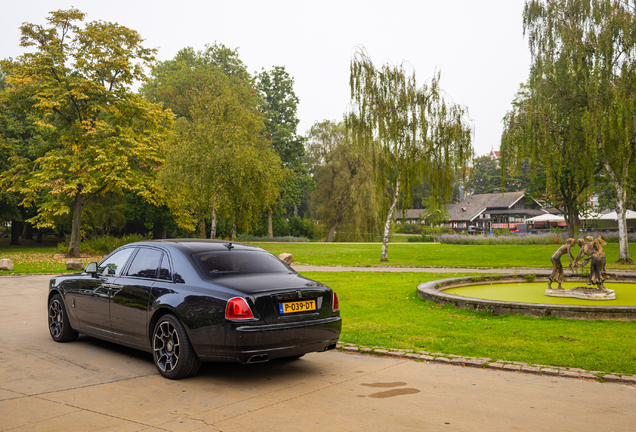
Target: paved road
point(94, 385)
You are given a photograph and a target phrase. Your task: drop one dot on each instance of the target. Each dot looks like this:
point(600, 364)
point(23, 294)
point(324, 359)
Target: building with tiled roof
point(482, 212)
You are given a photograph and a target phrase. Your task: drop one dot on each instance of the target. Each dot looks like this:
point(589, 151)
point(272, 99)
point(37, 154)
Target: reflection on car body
point(188, 301)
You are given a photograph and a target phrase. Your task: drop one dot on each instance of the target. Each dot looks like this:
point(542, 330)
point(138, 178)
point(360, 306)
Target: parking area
point(95, 385)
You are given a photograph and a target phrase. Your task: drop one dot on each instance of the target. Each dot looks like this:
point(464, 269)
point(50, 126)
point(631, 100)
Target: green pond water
point(529, 292)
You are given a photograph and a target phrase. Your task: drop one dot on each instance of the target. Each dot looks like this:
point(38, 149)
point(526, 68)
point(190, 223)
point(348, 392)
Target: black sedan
point(187, 301)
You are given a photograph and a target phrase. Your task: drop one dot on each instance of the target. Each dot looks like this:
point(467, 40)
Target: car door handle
point(111, 286)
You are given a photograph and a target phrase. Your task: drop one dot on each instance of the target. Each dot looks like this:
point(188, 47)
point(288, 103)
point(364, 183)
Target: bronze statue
point(593, 248)
point(557, 271)
point(592, 251)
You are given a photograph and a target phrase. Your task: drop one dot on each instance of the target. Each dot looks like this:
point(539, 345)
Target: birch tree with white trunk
point(593, 43)
point(415, 133)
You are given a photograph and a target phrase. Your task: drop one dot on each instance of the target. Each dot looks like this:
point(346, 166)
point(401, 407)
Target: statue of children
point(594, 251)
point(557, 271)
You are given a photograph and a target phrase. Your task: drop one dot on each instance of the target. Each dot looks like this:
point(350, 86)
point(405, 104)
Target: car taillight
point(335, 306)
point(237, 308)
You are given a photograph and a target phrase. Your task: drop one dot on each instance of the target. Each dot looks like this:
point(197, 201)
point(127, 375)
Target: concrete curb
point(486, 363)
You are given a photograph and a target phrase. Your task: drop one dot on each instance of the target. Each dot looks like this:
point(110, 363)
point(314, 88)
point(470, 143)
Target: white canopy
point(613, 216)
point(546, 218)
point(590, 215)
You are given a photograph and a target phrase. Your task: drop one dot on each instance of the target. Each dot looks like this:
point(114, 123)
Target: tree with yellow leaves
point(100, 136)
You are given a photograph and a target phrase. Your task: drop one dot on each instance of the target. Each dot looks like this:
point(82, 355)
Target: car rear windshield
point(220, 263)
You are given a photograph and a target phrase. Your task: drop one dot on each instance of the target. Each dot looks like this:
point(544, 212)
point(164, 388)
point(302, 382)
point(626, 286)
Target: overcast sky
point(477, 45)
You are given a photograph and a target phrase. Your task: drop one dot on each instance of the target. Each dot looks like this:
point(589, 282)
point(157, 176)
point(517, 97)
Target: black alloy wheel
point(59, 327)
point(172, 351)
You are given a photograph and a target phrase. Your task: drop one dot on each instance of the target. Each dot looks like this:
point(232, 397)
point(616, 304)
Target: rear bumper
point(257, 343)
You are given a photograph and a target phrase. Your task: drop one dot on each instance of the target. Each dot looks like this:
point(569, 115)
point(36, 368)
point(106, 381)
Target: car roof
point(190, 246)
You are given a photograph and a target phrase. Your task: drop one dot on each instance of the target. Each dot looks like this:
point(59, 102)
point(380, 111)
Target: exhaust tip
point(262, 358)
point(330, 347)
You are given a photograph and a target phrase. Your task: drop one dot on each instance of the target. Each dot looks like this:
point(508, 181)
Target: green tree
point(218, 161)
point(485, 176)
point(179, 82)
point(20, 138)
point(280, 105)
point(413, 132)
point(143, 217)
point(582, 90)
point(345, 190)
point(100, 135)
point(544, 127)
point(104, 214)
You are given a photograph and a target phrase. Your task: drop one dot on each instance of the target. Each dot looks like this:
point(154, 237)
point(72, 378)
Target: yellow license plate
point(297, 306)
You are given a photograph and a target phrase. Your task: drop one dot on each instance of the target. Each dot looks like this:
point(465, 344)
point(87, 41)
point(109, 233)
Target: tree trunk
point(387, 224)
point(339, 217)
point(270, 227)
point(15, 233)
point(295, 210)
point(572, 219)
point(621, 201)
point(234, 228)
point(159, 230)
point(39, 239)
point(27, 231)
point(202, 233)
point(623, 239)
point(213, 224)
point(78, 208)
point(332, 230)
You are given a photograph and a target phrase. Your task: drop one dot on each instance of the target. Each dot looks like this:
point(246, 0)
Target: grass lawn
point(431, 254)
point(32, 258)
point(382, 309)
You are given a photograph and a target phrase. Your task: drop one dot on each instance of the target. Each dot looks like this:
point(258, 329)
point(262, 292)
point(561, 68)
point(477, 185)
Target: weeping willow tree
point(413, 133)
point(345, 191)
point(581, 105)
point(544, 126)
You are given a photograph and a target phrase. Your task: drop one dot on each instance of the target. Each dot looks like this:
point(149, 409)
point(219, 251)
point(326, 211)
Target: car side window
point(145, 263)
point(113, 265)
point(164, 270)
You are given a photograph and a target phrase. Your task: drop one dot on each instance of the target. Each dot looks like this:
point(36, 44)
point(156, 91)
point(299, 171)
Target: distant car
point(187, 301)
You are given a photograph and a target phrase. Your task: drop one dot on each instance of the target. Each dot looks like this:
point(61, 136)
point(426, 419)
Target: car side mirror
point(91, 268)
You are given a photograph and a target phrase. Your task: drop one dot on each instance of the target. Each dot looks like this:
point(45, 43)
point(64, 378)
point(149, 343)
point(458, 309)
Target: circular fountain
point(525, 295)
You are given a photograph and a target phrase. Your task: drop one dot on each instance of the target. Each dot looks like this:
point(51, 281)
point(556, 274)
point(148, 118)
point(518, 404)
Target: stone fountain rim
point(434, 291)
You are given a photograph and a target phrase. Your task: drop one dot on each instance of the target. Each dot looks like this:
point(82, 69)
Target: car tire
point(172, 351)
point(59, 326)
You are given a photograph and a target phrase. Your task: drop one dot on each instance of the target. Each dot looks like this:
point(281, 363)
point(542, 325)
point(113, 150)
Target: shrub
point(530, 277)
point(102, 245)
point(430, 234)
point(544, 238)
point(423, 238)
point(285, 239)
point(611, 236)
point(409, 229)
point(299, 227)
point(507, 239)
